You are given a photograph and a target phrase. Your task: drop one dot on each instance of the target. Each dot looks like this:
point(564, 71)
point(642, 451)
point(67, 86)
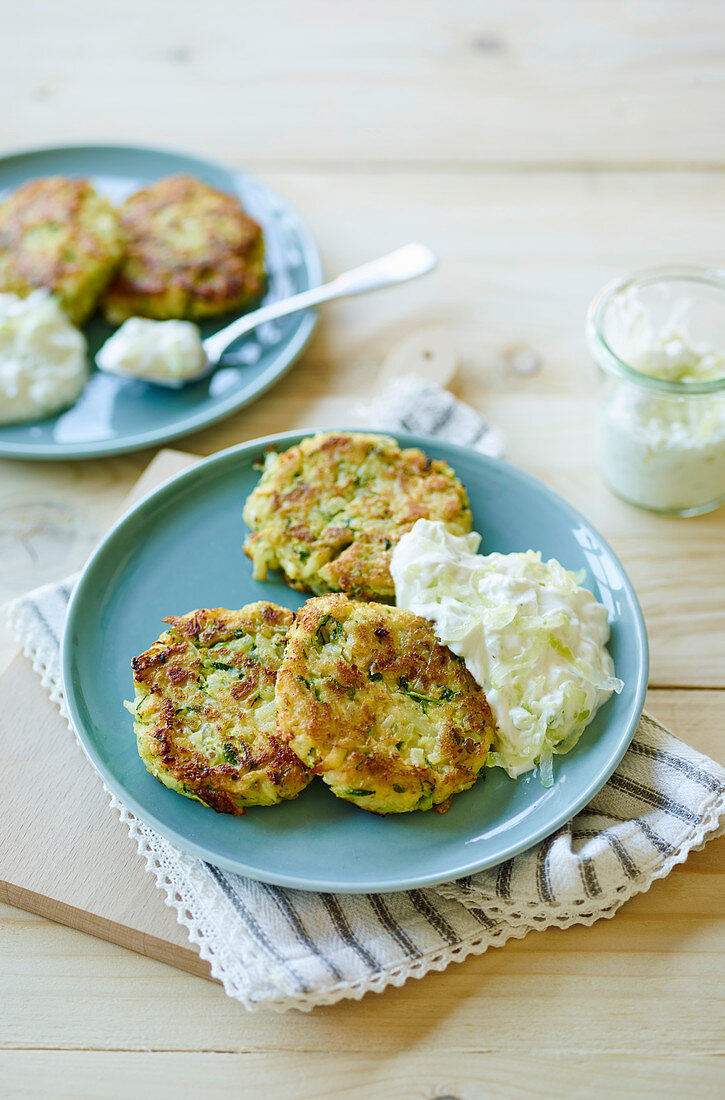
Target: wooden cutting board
point(63, 851)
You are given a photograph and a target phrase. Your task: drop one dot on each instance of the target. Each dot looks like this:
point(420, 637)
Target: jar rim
point(600, 348)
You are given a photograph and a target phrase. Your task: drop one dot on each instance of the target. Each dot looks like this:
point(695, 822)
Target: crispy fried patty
point(59, 234)
point(205, 708)
point(370, 700)
point(329, 511)
point(190, 252)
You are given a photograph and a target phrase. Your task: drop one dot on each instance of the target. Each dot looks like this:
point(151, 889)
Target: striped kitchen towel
point(275, 948)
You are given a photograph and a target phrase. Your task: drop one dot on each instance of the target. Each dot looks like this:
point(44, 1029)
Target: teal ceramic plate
point(113, 414)
point(181, 548)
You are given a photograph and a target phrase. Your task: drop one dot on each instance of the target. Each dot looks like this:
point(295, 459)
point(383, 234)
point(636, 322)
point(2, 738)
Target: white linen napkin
point(276, 948)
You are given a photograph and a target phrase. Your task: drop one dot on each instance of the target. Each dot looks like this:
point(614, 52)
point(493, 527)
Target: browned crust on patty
point(204, 674)
point(50, 237)
point(330, 510)
point(370, 700)
point(190, 252)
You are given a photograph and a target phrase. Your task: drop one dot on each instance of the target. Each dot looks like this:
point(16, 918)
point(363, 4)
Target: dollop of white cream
point(43, 365)
point(663, 451)
point(532, 637)
point(169, 353)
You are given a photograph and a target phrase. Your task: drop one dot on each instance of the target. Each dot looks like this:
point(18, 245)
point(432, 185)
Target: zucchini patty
point(190, 252)
point(329, 511)
point(59, 234)
point(369, 699)
point(205, 708)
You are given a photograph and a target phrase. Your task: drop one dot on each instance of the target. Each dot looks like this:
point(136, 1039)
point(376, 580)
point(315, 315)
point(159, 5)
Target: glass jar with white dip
point(658, 339)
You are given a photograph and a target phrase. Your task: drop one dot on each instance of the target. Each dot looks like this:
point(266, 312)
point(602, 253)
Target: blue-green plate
point(181, 548)
point(113, 414)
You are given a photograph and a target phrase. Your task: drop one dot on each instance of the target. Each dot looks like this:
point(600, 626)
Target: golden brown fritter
point(190, 252)
point(329, 511)
point(369, 699)
point(58, 233)
point(205, 708)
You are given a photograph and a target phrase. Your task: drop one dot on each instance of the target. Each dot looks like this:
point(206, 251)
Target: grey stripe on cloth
point(653, 836)
point(382, 912)
point(628, 865)
point(481, 917)
point(44, 624)
point(265, 943)
point(543, 886)
point(654, 798)
point(285, 904)
point(433, 915)
point(503, 880)
point(277, 949)
point(684, 766)
point(589, 878)
point(340, 920)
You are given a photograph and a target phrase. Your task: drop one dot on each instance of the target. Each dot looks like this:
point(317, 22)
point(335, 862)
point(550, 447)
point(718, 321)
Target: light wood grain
point(90, 875)
point(74, 1076)
point(89, 878)
point(465, 82)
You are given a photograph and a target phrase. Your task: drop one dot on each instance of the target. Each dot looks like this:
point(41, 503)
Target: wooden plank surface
point(377, 82)
point(90, 876)
point(166, 1076)
point(540, 149)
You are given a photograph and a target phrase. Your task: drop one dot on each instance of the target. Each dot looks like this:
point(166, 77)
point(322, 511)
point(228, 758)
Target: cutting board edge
point(81, 920)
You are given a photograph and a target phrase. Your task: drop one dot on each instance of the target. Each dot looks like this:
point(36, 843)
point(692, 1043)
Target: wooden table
point(540, 149)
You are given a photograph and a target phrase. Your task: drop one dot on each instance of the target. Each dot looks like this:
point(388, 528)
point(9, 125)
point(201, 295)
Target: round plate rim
point(59, 452)
point(558, 819)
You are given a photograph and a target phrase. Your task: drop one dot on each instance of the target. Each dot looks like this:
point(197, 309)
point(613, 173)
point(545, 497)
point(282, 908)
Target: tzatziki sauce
point(168, 353)
point(663, 450)
point(43, 364)
point(529, 633)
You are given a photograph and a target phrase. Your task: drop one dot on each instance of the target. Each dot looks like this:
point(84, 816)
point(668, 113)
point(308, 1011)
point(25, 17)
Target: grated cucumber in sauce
point(528, 632)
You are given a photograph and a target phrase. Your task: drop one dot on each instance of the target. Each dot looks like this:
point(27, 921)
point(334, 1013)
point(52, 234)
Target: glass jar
point(658, 339)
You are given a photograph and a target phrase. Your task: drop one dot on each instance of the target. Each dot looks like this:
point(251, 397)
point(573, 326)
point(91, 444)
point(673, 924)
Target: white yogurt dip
point(663, 453)
point(43, 365)
point(663, 450)
point(532, 637)
point(168, 353)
